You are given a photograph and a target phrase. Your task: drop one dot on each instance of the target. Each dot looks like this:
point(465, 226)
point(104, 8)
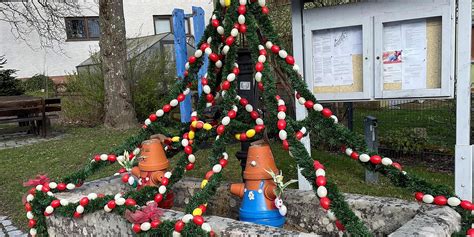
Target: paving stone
point(2, 234)
point(10, 228)
point(6, 222)
point(3, 218)
point(16, 233)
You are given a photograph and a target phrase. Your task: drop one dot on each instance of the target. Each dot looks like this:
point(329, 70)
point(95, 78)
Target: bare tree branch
point(45, 18)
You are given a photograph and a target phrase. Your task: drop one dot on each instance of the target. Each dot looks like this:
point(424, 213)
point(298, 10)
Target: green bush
point(39, 84)
point(149, 78)
point(9, 85)
point(405, 141)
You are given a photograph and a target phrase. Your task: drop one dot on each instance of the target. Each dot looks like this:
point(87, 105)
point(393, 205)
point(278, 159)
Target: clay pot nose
point(154, 156)
point(259, 161)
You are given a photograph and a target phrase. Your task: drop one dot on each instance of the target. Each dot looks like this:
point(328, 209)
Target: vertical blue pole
point(181, 58)
point(198, 22)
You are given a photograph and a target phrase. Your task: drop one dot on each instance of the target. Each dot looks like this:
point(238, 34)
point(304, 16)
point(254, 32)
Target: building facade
point(81, 35)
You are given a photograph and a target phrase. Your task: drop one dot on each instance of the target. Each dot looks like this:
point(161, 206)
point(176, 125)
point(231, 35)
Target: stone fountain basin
point(384, 216)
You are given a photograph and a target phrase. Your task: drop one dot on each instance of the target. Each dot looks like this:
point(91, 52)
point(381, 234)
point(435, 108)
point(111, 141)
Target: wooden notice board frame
point(371, 15)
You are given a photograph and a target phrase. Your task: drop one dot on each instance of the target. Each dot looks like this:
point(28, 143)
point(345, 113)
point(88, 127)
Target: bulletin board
point(415, 61)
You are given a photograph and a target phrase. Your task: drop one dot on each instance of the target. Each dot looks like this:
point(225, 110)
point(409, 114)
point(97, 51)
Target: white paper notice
point(414, 55)
point(404, 54)
point(332, 55)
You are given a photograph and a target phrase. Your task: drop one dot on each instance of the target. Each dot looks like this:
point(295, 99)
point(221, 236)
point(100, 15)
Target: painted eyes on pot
point(253, 163)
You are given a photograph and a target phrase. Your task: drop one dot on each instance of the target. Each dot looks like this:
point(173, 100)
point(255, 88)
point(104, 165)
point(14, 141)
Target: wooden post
point(199, 26)
point(181, 58)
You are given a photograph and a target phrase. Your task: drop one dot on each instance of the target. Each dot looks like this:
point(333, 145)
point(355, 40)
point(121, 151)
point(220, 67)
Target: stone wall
point(384, 216)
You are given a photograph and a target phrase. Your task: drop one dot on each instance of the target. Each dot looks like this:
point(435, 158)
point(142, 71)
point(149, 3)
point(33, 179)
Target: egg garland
point(241, 20)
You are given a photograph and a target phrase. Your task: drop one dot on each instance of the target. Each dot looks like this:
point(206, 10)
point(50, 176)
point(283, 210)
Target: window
point(164, 24)
point(82, 28)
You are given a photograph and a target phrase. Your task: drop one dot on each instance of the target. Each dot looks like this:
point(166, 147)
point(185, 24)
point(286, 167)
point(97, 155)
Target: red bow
point(148, 212)
point(40, 179)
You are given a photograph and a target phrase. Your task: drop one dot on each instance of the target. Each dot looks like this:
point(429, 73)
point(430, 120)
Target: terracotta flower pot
point(259, 161)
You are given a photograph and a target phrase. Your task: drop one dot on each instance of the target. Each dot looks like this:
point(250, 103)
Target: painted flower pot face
point(259, 161)
point(153, 156)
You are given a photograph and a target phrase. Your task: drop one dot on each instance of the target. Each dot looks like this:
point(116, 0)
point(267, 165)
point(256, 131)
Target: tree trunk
point(119, 110)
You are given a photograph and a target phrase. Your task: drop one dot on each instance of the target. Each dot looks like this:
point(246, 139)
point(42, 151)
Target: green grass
point(61, 157)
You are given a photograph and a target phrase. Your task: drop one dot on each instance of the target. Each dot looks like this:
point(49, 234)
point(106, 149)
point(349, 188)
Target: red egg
point(112, 158)
point(31, 223)
point(111, 204)
point(154, 224)
point(286, 145)
point(158, 197)
point(84, 201)
point(281, 124)
point(419, 196)
point(440, 200)
point(244, 101)
point(375, 159)
point(189, 166)
point(355, 155)
point(232, 114)
point(166, 108)
point(164, 181)
point(215, 23)
point(209, 174)
point(223, 162)
point(308, 104)
point(179, 226)
point(321, 181)
point(241, 9)
point(130, 202)
point(290, 60)
point(325, 202)
point(136, 228)
point(198, 220)
point(259, 67)
point(220, 129)
point(275, 49)
point(55, 203)
point(326, 112)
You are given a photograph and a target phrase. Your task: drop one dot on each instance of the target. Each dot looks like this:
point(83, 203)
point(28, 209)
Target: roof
point(137, 46)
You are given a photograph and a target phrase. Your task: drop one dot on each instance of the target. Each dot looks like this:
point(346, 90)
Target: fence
point(418, 129)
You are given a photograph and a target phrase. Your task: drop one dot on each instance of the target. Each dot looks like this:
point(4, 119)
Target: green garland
point(333, 134)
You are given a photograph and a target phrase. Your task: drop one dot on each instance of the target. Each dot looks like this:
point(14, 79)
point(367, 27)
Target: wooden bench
point(24, 110)
point(32, 114)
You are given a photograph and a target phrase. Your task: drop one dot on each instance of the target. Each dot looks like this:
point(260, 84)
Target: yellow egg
point(250, 133)
point(197, 212)
point(194, 123)
point(207, 126)
point(175, 139)
point(203, 183)
point(227, 3)
point(191, 135)
point(237, 136)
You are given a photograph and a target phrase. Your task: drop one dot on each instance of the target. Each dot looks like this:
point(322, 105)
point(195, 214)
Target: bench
point(31, 113)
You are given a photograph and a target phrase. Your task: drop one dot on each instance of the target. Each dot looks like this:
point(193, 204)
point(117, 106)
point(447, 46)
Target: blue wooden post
point(199, 25)
point(181, 58)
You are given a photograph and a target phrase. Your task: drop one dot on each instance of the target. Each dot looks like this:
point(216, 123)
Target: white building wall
point(30, 59)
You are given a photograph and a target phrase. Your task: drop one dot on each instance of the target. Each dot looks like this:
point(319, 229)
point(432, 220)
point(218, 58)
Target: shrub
point(405, 141)
point(39, 83)
point(9, 85)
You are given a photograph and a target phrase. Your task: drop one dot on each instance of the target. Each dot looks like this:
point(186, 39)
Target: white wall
point(29, 58)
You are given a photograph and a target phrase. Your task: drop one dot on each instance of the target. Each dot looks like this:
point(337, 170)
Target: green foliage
point(85, 101)
point(9, 85)
point(38, 82)
point(150, 82)
point(405, 141)
point(151, 79)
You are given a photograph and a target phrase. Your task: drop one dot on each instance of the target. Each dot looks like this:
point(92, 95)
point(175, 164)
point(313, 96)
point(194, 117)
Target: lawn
point(60, 157)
